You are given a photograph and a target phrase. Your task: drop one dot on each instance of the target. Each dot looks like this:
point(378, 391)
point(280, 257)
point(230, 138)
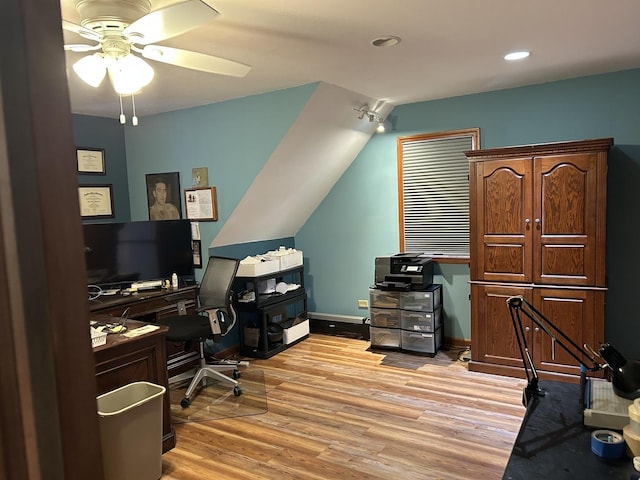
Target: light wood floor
point(338, 411)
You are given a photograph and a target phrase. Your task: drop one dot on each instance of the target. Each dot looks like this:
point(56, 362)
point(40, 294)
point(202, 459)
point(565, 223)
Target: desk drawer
point(383, 298)
point(427, 300)
point(422, 342)
point(385, 317)
point(385, 337)
point(421, 321)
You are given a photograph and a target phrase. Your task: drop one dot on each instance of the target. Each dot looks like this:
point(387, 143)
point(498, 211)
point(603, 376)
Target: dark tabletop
point(554, 444)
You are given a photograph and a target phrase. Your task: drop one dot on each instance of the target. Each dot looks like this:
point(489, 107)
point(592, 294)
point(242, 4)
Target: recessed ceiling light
point(387, 41)
point(517, 55)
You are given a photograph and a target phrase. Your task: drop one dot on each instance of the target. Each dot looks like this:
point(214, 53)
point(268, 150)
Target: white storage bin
point(295, 332)
point(385, 337)
point(385, 317)
point(422, 342)
point(286, 257)
point(421, 321)
point(426, 300)
point(257, 266)
point(383, 298)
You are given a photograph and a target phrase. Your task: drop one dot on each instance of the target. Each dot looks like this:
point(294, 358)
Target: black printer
point(404, 271)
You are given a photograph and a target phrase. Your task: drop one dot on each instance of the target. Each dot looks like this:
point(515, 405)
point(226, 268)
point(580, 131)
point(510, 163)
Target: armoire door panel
point(564, 241)
point(504, 220)
point(495, 340)
point(565, 260)
point(570, 311)
point(503, 259)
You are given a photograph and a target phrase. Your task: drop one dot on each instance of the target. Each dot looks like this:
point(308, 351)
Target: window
point(433, 193)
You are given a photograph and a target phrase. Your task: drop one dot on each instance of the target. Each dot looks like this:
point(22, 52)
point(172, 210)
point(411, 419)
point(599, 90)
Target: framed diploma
point(91, 161)
point(96, 201)
point(201, 203)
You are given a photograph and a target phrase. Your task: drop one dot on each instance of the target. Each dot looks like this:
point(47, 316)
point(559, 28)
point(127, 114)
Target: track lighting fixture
point(371, 116)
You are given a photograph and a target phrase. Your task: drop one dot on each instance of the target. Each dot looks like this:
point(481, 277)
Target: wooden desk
point(125, 360)
point(554, 444)
point(149, 306)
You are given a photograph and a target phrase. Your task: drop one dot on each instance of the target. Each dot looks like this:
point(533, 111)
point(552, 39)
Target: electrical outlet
point(363, 303)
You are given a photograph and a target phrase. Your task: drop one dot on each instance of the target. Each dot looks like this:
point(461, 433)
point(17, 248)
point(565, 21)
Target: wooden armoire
point(537, 226)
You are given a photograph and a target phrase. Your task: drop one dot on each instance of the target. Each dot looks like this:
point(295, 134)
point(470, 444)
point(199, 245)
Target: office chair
point(214, 317)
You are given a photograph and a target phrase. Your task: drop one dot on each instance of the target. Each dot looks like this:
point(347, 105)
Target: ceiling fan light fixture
point(129, 74)
point(91, 69)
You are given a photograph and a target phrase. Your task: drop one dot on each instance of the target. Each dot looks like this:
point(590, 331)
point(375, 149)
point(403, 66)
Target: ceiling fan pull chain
point(134, 119)
point(123, 119)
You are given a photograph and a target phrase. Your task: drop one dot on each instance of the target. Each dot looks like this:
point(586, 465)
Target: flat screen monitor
point(118, 253)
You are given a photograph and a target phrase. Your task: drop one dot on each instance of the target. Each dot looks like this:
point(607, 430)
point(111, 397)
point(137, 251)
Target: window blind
point(434, 192)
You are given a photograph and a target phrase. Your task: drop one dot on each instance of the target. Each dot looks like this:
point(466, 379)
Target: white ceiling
point(448, 48)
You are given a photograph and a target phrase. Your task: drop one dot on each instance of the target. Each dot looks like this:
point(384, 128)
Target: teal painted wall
point(233, 139)
point(358, 220)
point(107, 134)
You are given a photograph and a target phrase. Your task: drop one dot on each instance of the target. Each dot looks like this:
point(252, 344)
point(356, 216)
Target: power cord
point(94, 291)
point(464, 355)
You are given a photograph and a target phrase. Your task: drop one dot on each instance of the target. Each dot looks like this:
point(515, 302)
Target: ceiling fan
point(123, 28)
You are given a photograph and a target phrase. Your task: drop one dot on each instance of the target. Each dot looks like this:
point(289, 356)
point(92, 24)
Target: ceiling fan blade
point(80, 30)
point(81, 47)
point(195, 60)
point(170, 21)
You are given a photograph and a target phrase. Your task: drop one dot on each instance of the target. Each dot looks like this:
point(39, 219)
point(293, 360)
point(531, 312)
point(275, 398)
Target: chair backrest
point(215, 288)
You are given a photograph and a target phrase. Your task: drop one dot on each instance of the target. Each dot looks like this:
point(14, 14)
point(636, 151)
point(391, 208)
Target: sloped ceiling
point(326, 137)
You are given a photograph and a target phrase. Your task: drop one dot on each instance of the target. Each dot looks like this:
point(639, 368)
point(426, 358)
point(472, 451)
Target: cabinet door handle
point(537, 220)
point(526, 329)
point(527, 221)
point(553, 349)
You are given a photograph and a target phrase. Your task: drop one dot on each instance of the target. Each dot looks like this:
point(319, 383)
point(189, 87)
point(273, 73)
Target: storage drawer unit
point(385, 337)
point(421, 342)
point(414, 317)
point(385, 317)
point(416, 321)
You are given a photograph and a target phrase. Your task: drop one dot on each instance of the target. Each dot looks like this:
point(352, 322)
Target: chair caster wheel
point(237, 391)
point(236, 374)
point(185, 402)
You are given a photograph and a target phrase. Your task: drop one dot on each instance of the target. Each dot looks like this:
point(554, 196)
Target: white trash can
point(130, 420)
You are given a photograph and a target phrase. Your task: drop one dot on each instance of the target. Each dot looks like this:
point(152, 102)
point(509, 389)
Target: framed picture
point(200, 177)
point(201, 203)
point(197, 255)
point(91, 161)
point(96, 201)
point(163, 196)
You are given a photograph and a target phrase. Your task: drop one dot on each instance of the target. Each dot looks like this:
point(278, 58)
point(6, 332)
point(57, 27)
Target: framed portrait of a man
point(163, 196)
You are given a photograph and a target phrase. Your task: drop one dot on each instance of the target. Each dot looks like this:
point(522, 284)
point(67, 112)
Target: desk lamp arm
point(518, 306)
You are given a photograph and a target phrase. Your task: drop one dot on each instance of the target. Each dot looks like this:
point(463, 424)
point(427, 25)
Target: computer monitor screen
point(118, 253)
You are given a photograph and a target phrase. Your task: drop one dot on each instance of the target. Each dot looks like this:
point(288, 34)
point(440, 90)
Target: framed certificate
point(91, 161)
point(96, 201)
point(201, 203)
